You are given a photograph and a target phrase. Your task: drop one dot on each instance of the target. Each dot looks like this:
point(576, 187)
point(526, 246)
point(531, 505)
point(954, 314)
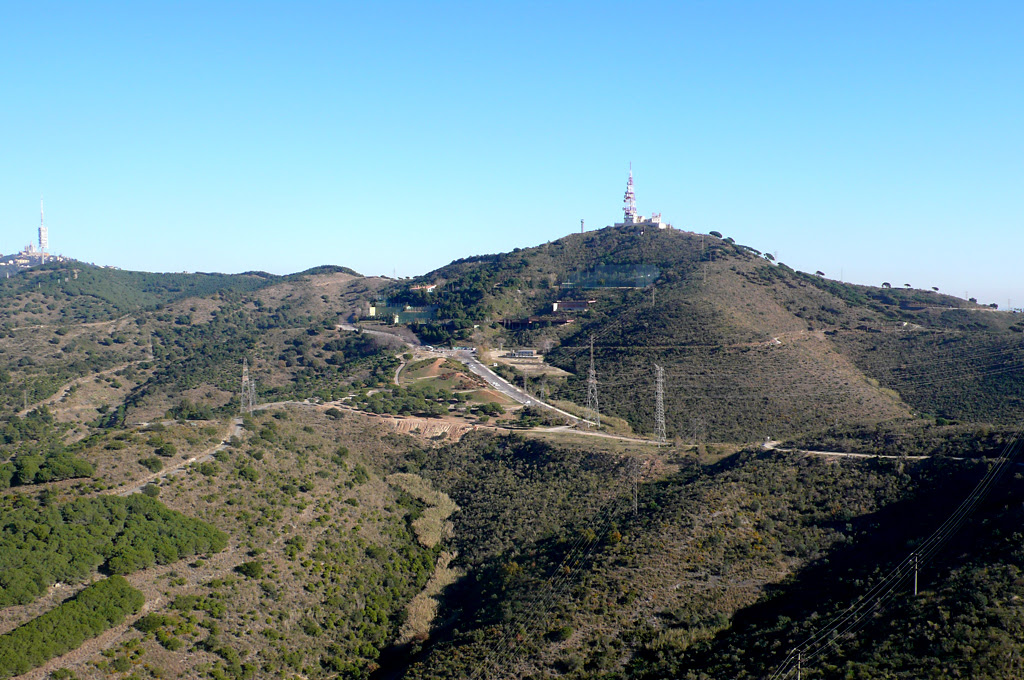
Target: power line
point(859, 613)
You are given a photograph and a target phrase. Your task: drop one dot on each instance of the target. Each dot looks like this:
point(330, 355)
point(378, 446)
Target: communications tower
point(629, 207)
point(44, 241)
point(631, 218)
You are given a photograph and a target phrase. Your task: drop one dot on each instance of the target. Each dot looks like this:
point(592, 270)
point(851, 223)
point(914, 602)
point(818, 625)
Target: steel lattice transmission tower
point(659, 404)
point(593, 411)
point(248, 389)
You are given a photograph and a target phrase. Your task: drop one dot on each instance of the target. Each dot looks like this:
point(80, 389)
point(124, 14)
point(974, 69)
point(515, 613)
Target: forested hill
point(71, 292)
point(751, 348)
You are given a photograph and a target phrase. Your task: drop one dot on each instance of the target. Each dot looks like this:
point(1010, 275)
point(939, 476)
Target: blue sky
point(873, 141)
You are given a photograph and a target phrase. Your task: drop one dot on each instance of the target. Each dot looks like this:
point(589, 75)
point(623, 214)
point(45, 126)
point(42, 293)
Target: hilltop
point(751, 348)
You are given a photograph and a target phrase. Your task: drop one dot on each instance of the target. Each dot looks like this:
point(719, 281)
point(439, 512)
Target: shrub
point(251, 569)
point(152, 463)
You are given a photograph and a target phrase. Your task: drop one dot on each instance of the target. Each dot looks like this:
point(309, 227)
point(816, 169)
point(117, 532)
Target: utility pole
point(799, 664)
point(659, 404)
point(915, 574)
point(593, 410)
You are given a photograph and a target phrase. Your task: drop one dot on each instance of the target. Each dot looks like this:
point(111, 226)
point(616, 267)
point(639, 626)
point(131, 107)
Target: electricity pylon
point(248, 401)
point(593, 412)
point(659, 404)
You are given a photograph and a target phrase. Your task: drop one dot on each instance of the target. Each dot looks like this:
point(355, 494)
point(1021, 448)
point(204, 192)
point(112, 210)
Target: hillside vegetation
point(751, 348)
point(151, 529)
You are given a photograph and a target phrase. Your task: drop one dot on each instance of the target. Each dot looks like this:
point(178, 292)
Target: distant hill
point(328, 269)
point(751, 348)
point(185, 331)
point(90, 293)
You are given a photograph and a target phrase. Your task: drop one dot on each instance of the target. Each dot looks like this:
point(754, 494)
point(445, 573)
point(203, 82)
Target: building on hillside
point(571, 305)
point(631, 218)
point(426, 289)
point(393, 313)
point(522, 354)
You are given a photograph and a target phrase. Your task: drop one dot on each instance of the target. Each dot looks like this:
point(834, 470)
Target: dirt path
point(92, 646)
point(137, 485)
point(91, 324)
point(772, 446)
point(593, 433)
point(62, 392)
point(216, 566)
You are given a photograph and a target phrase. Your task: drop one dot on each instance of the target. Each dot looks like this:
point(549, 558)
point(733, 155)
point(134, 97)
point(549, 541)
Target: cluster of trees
point(36, 427)
point(191, 355)
point(98, 607)
point(38, 454)
point(961, 376)
point(358, 630)
point(531, 416)
point(42, 544)
point(187, 410)
point(419, 399)
point(38, 469)
point(352, 565)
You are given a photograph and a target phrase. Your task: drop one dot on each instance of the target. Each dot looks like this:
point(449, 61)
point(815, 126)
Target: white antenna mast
point(44, 242)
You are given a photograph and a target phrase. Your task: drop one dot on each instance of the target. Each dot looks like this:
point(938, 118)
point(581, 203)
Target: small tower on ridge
point(630, 217)
point(44, 241)
point(629, 202)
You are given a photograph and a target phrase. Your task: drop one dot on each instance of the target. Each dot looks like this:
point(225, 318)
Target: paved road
point(508, 389)
point(492, 378)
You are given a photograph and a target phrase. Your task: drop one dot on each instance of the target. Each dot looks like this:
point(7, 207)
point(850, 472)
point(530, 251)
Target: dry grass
point(423, 607)
point(432, 525)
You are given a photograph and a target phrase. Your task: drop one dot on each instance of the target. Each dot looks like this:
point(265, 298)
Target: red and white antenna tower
point(629, 207)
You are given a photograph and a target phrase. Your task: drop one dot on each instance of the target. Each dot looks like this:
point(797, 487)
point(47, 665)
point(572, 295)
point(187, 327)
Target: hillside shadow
point(760, 636)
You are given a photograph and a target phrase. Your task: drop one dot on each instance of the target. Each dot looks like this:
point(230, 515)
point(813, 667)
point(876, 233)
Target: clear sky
point(875, 141)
